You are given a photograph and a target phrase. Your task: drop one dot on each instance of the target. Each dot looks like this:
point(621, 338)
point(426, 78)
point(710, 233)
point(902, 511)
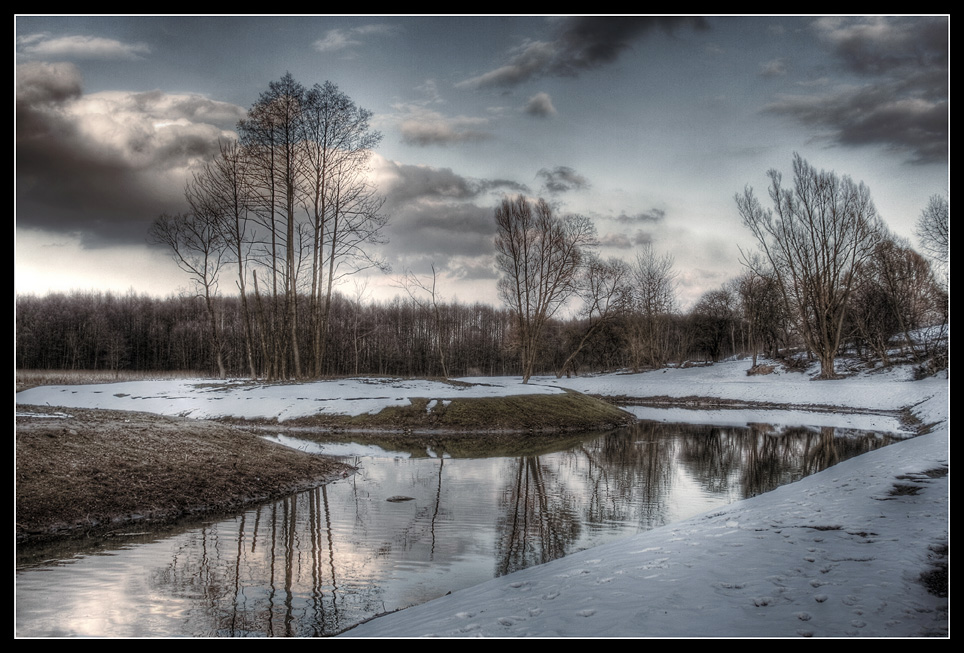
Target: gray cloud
point(581, 43)
point(903, 106)
point(881, 45)
point(424, 128)
point(441, 233)
point(106, 164)
point(406, 183)
point(652, 216)
point(441, 217)
point(616, 241)
point(40, 83)
point(642, 238)
point(562, 179)
point(540, 106)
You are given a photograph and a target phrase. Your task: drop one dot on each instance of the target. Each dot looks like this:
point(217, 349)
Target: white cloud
point(343, 39)
point(80, 47)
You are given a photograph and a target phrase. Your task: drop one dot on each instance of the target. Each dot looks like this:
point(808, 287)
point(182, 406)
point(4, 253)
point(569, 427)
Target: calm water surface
point(321, 561)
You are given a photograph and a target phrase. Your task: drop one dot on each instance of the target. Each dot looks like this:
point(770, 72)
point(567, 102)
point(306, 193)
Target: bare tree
point(221, 189)
point(198, 248)
point(356, 224)
point(815, 238)
point(605, 293)
point(415, 287)
point(337, 140)
point(762, 308)
point(540, 257)
point(934, 231)
point(271, 134)
point(653, 301)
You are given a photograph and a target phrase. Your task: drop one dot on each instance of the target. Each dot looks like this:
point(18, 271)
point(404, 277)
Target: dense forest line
point(401, 337)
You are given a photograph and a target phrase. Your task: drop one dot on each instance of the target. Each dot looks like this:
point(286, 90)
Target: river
point(408, 527)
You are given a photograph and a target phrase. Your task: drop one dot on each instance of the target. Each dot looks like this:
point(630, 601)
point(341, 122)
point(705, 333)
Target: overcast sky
point(648, 125)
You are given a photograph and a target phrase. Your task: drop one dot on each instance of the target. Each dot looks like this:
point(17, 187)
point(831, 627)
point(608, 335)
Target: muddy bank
point(92, 471)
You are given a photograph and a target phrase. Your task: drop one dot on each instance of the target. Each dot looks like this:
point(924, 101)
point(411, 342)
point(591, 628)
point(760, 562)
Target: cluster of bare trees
point(287, 212)
point(548, 261)
point(816, 237)
point(290, 208)
point(841, 274)
point(827, 274)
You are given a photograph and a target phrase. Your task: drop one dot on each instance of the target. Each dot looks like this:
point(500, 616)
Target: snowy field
point(839, 553)
point(206, 398)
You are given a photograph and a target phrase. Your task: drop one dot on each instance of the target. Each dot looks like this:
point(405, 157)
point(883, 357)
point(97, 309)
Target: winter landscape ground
point(860, 549)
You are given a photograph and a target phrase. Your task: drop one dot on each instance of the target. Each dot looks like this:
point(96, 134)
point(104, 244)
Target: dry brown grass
point(33, 378)
point(81, 471)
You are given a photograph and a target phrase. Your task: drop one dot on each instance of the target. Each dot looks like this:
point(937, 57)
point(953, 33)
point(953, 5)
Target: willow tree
point(815, 238)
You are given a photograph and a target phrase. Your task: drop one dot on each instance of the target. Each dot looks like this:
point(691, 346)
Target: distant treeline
point(131, 332)
point(102, 330)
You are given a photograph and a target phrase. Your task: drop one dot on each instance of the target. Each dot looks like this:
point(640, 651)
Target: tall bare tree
point(540, 257)
point(272, 135)
point(221, 189)
point(426, 295)
point(815, 238)
point(337, 140)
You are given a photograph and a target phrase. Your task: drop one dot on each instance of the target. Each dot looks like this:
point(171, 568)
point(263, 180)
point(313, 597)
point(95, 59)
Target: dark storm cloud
point(581, 43)
point(904, 103)
point(105, 165)
point(561, 179)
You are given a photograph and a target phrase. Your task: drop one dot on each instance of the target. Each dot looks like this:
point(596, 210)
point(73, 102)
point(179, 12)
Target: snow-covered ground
point(206, 399)
point(839, 553)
